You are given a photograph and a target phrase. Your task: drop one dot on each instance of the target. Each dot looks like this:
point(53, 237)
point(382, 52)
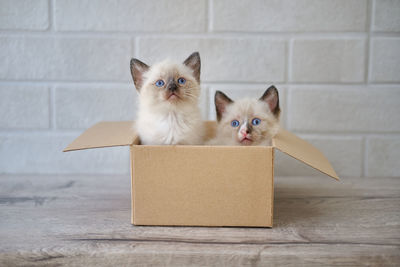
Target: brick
point(236, 92)
point(24, 106)
point(386, 16)
point(136, 15)
point(227, 59)
point(336, 109)
point(385, 60)
point(64, 58)
point(290, 16)
point(383, 154)
point(24, 15)
point(42, 153)
point(328, 61)
point(81, 107)
point(345, 155)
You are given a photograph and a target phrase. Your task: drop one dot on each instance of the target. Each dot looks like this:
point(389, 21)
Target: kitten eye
point(160, 83)
point(181, 80)
point(235, 123)
point(256, 121)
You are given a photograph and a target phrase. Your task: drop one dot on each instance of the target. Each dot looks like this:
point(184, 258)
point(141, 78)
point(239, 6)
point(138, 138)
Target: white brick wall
point(78, 107)
point(64, 65)
point(328, 61)
point(223, 58)
point(385, 61)
point(131, 15)
point(64, 58)
point(386, 14)
point(24, 106)
point(24, 15)
point(290, 16)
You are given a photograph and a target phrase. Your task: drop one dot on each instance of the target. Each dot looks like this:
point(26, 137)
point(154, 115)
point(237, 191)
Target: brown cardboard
point(201, 185)
point(105, 134)
point(305, 152)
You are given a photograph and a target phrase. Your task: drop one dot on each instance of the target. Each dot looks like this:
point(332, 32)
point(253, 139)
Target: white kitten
point(247, 121)
point(168, 110)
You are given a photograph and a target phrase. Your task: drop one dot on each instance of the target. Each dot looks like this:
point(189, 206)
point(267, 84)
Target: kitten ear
point(193, 62)
point(138, 68)
point(271, 96)
point(221, 101)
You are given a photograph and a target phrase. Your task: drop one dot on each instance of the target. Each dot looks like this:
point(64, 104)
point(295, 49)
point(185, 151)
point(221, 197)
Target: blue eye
point(160, 83)
point(235, 123)
point(181, 81)
point(256, 121)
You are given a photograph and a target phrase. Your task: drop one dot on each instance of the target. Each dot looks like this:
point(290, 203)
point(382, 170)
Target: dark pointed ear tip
point(133, 61)
point(271, 90)
point(272, 87)
point(219, 94)
point(136, 63)
point(194, 56)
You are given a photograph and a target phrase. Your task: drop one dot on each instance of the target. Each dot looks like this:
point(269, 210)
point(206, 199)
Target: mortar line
point(367, 42)
point(286, 61)
point(211, 34)
point(369, 55)
point(289, 60)
point(54, 112)
point(50, 107)
point(49, 16)
point(210, 16)
point(52, 16)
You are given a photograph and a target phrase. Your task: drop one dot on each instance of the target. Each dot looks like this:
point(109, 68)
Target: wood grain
point(85, 220)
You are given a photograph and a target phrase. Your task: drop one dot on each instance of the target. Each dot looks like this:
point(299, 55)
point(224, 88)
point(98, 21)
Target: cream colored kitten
point(168, 110)
point(248, 121)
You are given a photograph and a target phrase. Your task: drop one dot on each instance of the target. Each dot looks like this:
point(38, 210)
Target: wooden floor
point(85, 220)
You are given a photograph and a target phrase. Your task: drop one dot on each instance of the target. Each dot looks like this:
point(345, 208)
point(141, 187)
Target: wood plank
point(86, 220)
point(167, 254)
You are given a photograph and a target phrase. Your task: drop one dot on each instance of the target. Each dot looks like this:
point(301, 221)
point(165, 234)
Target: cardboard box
point(201, 185)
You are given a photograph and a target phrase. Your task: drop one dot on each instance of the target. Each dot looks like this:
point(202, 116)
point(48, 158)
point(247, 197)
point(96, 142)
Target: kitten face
point(247, 121)
point(168, 84)
point(168, 112)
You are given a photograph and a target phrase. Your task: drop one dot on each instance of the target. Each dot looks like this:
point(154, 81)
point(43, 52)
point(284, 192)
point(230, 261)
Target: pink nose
point(244, 132)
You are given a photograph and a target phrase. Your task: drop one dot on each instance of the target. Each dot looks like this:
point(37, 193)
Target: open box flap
point(301, 150)
point(105, 134)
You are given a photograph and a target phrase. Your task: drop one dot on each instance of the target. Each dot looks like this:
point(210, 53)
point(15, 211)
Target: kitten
point(248, 121)
point(168, 102)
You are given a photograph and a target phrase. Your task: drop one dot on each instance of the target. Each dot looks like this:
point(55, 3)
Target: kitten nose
point(172, 87)
point(245, 131)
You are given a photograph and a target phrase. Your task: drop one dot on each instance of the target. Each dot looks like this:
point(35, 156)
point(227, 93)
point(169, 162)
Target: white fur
point(161, 122)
